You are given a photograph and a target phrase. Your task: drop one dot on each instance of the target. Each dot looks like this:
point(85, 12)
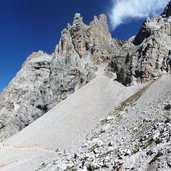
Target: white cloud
point(124, 10)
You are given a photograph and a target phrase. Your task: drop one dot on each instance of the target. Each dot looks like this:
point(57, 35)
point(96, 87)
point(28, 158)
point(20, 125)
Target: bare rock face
point(79, 52)
point(45, 80)
point(21, 97)
point(88, 39)
point(148, 54)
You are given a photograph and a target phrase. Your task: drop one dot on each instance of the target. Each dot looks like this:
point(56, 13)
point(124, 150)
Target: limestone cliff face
point(147, 54)
point(79, 52)
point(45, 80)
point(94, 40)
point(22, 96)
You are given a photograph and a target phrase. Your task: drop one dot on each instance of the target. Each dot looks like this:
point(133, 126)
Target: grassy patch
point(105, 154)
point(134, 151)
point(155, 158)
point(130, 101)
point(142, 129)
point(148, 143)
point(158, 141)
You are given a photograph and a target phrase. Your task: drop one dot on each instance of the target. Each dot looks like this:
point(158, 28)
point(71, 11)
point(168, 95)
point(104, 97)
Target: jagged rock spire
point(77, 18)
point(94, 39)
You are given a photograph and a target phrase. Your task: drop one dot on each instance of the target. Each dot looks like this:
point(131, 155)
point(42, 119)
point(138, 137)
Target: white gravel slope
point(64, 127)
point(67, 124)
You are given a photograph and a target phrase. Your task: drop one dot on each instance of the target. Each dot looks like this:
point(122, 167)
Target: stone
point(105, 127)
point(167, 107)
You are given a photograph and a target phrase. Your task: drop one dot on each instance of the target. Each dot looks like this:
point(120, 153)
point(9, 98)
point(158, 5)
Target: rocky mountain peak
point(38, 56)
point(155, 26)
point(77, 18)
point(77, 23)
point(87, 40)
point(101, 21)
point(148, 54)
point(45, 80)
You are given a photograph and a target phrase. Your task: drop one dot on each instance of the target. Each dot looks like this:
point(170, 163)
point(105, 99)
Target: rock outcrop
point(45, 80)
point(148, 54)
point(22, 96)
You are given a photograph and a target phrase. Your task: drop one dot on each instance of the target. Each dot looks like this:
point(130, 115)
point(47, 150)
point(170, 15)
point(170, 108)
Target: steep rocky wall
point(148, 54)
point(79, 52)
point(22, 97)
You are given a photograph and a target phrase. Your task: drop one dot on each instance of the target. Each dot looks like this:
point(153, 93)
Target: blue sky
point(32, 25)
